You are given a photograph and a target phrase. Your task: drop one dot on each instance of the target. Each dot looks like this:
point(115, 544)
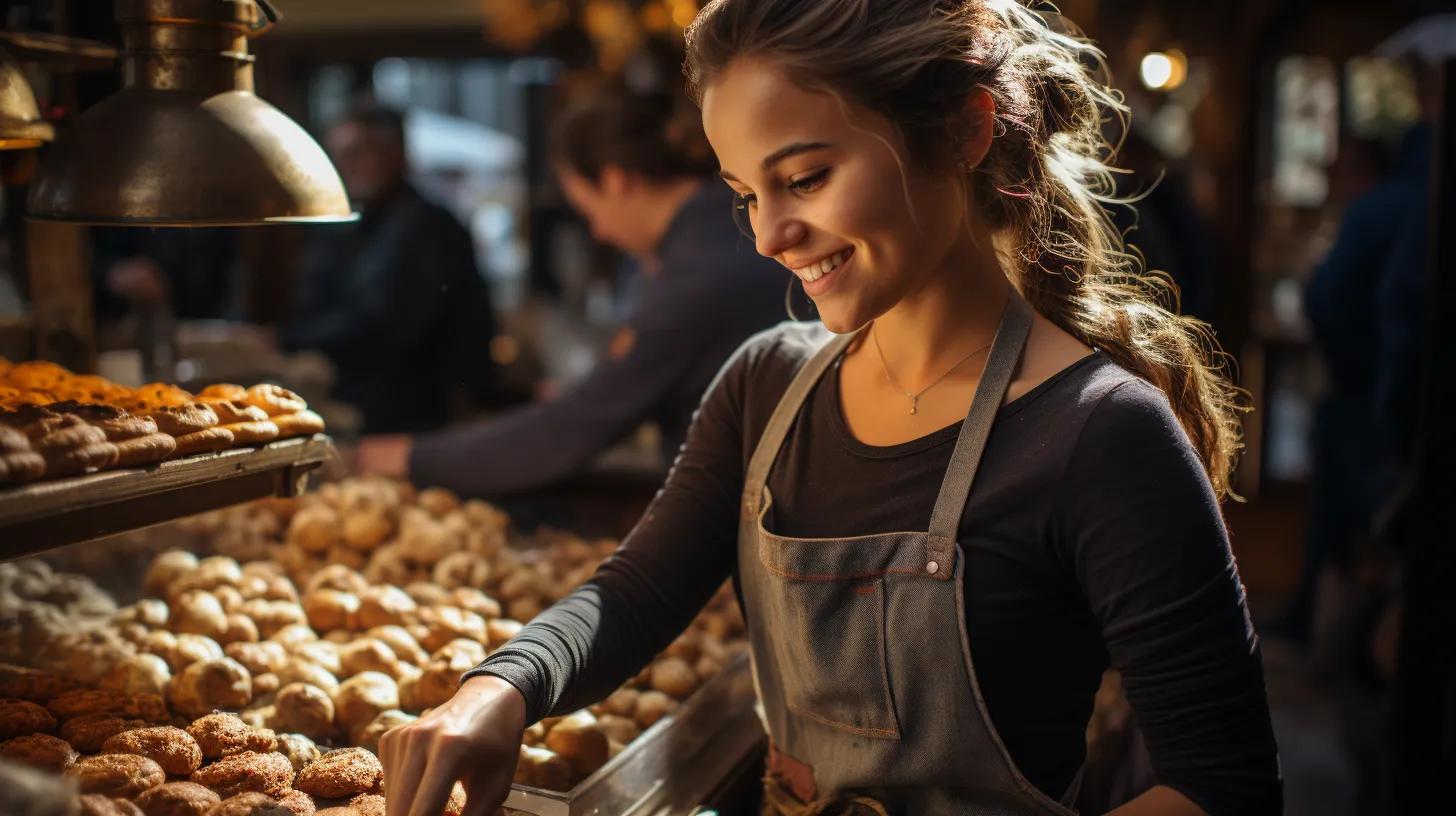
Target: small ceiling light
point(20, 122)
point(186, 142)
point(1164, 70)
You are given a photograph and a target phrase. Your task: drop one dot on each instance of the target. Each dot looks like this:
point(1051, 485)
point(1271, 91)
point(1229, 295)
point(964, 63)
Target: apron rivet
point(932, 568)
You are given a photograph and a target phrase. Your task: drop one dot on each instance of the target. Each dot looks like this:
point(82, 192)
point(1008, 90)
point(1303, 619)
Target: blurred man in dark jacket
point(395, 301)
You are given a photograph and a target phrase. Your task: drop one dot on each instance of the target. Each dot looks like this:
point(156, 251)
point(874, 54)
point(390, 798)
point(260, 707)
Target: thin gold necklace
point(915, 398)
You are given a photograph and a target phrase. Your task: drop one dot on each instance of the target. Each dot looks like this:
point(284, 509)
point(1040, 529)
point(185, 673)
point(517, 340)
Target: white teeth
point(815, 271)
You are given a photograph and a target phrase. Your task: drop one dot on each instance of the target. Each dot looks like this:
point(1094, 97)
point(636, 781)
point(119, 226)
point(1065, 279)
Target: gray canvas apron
point(860, 654)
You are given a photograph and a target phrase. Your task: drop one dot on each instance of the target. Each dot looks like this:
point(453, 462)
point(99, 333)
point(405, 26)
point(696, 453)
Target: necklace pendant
point(913, 408)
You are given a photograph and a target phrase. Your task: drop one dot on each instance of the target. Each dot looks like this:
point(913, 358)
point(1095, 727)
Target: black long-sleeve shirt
point(1092, 538)
point(712, 291)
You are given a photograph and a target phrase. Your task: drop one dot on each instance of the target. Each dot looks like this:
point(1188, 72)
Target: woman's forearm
point(1160, 801)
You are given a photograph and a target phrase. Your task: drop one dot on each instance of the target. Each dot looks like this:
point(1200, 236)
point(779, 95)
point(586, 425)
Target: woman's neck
point(955, 311)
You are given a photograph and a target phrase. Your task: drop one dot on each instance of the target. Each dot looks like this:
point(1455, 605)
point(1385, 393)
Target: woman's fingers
point(445, 753)
point(485, 793)
point(409, 753)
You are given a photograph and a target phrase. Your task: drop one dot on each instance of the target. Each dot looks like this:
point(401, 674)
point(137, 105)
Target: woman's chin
point(840, 320)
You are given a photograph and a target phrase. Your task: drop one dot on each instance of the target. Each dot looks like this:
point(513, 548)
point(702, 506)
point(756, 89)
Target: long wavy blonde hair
point(1042, 185)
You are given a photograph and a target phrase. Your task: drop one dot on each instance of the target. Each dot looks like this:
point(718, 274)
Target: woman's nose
point(774, 234)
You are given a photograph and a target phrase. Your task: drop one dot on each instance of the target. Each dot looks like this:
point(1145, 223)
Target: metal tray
point(674, 766)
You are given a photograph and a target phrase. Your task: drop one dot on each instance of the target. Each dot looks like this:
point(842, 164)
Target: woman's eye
point(742, 201)
point(811, 182)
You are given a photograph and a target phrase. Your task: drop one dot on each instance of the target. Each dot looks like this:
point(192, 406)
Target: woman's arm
point(680, 552)
point(1160, 801)
point(1139, 526)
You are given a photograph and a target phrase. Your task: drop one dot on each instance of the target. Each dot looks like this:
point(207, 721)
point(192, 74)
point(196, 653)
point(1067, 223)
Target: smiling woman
point(1001, 441)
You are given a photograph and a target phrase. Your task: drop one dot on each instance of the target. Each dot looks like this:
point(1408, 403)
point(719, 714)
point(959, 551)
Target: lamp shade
point(186, 142)
point(20, 122)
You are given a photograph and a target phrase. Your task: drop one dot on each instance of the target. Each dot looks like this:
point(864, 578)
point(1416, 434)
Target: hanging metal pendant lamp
point(186, 142)
point(20, 122)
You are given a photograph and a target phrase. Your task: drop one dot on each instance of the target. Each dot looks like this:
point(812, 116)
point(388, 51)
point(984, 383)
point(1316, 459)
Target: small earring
point(966, 166)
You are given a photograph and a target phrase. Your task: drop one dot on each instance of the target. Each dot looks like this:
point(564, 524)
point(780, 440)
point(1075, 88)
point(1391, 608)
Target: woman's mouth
point(819, 276)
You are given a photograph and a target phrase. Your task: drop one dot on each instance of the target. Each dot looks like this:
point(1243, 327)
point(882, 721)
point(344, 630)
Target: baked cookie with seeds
point(40, 751)
point(269, 773)
point(21, 717)
point(172, 748)
point(94, 804)
point(339, 773)
point(178, 799)
point(90, 731)
point(221, 733)
point(123, 775)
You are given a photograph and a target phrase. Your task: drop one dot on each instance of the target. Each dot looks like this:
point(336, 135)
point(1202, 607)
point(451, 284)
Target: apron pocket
point(829, 639)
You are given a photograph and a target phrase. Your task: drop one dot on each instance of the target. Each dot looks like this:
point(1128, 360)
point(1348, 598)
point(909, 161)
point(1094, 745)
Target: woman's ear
point(616, 181)
point(980, 124)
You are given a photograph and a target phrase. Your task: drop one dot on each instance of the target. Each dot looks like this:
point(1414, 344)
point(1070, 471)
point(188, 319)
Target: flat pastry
point(204, 441)
point(118, 423)
point(252, 433)
point(19, 467)
point(230, 411)
point(180, 420)
point(301, 423)
point(60, 431)
point(275, 399)
point(144, 450)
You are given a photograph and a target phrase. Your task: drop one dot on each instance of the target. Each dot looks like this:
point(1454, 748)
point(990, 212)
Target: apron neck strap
point(783, 418)
point(990, 393)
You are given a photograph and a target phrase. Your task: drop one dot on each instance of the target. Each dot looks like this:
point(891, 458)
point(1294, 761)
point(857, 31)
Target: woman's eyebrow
point(779, 155)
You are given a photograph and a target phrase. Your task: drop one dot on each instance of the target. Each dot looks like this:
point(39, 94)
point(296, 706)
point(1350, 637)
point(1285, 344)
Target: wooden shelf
point(45, 515)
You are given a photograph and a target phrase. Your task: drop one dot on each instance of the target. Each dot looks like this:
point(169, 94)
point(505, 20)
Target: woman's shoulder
point(760, 371)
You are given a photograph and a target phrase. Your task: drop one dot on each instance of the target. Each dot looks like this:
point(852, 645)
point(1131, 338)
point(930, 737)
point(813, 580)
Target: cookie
point(21, 717)
point(269, 773)
point(61, 432)
point(251, 803)
point(144, 450)
point(178, 799)
point(275, 399)
point(118, 424)
point(123, 775)
point(40, 751)
point(13, 441)
point(73, 704)
point(212, 439)
point(339, 773)
point(74, 461)
point(94, 804)
point(172, 748)
point(222, 733)
point(89, 732)
point(301, 423)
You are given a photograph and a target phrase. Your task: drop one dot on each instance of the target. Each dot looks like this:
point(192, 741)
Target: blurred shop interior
point(1280, 150)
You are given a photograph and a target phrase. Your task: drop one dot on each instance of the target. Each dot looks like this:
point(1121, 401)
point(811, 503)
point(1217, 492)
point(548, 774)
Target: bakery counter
point(303, 628)
point(51, 514)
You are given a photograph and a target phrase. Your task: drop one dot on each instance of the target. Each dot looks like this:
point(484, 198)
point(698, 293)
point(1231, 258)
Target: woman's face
point(830, 193)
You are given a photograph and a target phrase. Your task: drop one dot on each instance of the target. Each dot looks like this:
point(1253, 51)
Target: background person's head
point(368, 148)
point(948, 124)
point(616, 152)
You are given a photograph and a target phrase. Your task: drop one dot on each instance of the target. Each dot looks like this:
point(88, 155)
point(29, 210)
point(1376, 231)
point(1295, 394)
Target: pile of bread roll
point(321, 653)
point(54, 423)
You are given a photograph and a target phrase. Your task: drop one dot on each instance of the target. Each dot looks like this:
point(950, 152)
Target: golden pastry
point(275, 399)
point(172, 748)
point(297, 803)
point(300, 750)
point(123, 775)
point(301, 423)
point(205, 441)
point(342, 772)
point(223, 391)
point(144, 450)
point(362, 697)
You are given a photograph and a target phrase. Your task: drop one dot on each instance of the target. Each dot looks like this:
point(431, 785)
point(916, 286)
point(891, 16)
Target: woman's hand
point(474, 738)
point(383, 455)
